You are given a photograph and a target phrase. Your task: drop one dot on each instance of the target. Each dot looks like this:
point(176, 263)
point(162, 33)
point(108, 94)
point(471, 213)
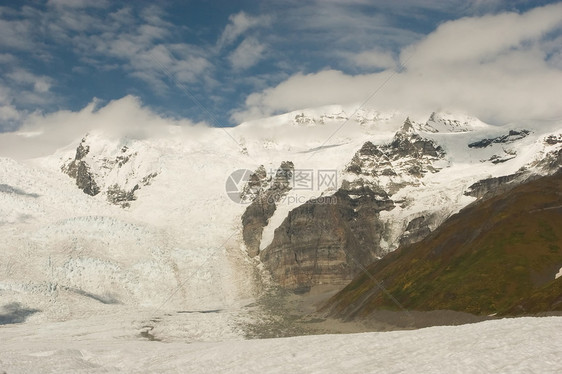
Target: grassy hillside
point(496, 256)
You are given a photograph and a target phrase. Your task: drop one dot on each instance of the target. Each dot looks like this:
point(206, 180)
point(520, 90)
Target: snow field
point(96, 345)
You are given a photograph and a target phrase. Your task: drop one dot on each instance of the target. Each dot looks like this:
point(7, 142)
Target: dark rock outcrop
point(552, 161)
point(85, 179)
point(500, 159)
point(553, 139)
point(265, 194)
point(257, 183)
point(82, 150)
point(78, 169)
point(511, 137)
point(491, 186)
point(417, 229)
point(118, 196)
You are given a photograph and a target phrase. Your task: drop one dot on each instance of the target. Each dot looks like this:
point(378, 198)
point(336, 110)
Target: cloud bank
point(500, 68)
point(42, 134)
point(252, 62)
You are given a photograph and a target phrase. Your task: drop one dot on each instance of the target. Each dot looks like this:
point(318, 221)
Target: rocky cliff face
point(552, 162)
point(328, 240)
point(265, 194)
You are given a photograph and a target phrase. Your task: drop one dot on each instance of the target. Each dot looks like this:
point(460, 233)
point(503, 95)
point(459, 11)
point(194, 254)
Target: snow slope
point(68, 255)
point(99, 345)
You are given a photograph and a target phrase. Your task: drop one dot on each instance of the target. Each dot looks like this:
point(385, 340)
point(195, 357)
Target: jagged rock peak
point(369, 149)
point(257, 182)
point(407, 127)
point(82, 150)
point(79, 170)
point(407, 142)
point(448, 122)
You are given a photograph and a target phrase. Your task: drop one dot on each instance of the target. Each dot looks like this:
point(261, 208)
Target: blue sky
point(223, 62)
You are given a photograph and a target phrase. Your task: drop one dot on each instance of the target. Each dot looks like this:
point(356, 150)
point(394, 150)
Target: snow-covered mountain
point(400, 184)
point(152, 230)
point(423, 168)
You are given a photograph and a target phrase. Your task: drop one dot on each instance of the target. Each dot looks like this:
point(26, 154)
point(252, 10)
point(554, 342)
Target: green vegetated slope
point(500, 256)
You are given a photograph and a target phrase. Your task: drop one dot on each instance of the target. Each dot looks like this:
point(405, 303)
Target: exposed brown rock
point(327, 240)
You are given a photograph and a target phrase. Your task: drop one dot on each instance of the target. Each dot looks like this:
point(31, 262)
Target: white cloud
point(480, 39)
point(247, 54)
point(6, 58)
point(310, 90)
point(136, 42)
point(144, 50)
point(501, 68)
point(19, 88)
point(40, 84)
point(42, 134)
point(78, 3)
point(9, 113)
point(375, 59)
point(191, 68)
point(16, 34)
point(342, 26)
point(240, 23)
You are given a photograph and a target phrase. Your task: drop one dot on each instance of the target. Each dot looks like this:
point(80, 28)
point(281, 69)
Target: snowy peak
point(112, 169)
point(407, 143)
point(303, 119)
point(403, 161)
point(321, 116)
point(398, 188)
point(332, 115)
point(450, 123)
point(407, 128)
